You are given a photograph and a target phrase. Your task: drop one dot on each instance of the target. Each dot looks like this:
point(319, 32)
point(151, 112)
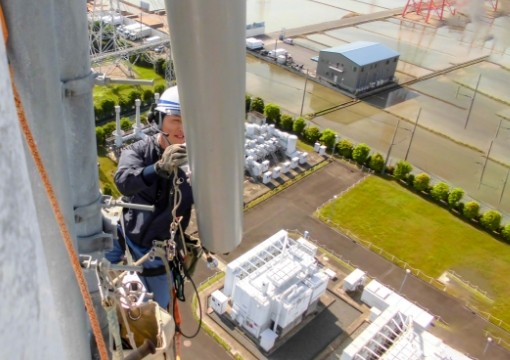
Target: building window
point(362, 68)
point(395, 60)
point(375, 65)
point(387, 62)
point(355, 69)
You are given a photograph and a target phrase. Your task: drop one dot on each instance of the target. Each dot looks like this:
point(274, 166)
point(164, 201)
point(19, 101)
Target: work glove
point(174, 156)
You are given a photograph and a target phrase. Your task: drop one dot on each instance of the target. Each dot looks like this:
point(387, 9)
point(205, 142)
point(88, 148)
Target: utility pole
point(504, 186)
point(304, 93)
point(485, 163)
point(412, 134)
point(391, 146)
point(472, 100)
point(408, 271)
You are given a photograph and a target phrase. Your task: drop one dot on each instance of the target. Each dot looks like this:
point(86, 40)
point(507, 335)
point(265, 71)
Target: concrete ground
point(293, 209)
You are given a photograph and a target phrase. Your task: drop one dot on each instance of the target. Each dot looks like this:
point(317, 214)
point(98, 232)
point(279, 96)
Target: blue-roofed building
point(358, 67)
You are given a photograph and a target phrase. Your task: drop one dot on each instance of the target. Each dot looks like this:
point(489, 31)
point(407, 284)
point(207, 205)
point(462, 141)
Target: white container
point(266, 177)
point(276, 172)
point(285, 167)
point(291, 144)
point(294, 162)
point(316, 147)
point(265, 165)
point(218, 302)
point(322, 150)
point(303, 158)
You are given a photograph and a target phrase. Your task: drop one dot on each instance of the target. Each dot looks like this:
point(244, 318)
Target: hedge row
point(441, 192)
point(105, 108)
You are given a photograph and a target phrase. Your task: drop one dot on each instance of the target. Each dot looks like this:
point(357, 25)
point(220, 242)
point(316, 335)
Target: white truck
point(277, 52)
point(254, 44)
point(139, 32)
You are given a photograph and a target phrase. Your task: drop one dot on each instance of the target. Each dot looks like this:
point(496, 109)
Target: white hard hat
point(169, 103)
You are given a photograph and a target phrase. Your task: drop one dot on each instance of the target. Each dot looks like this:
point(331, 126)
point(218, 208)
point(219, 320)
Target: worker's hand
point(173, 157)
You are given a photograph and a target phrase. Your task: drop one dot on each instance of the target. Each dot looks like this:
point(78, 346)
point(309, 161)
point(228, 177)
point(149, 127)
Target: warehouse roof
point(364, 52)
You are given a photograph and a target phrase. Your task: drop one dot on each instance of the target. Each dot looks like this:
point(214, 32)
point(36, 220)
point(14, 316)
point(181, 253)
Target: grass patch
point(424, 235)
point(107, 169)
point(301, 145)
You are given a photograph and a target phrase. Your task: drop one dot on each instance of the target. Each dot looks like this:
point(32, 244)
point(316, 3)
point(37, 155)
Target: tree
point(286, 122)
point(491, 220)
point(402, 169)
point(440, 191)
point(257, 104)
point(108, 107)
point(148, 96)
point(100, 136)
point(311, 134)
point(344, 148)
point(455, 196)
point(159, 89)
point(247, 102)
point(421, 182)
point(360, 153)
point(133, 95)
point(471, 210)
point(272, 113)
point(328, 138)
point(299, 126)
point(125, 124)
point(506, 232)
point(109, 128)
point(124, 104)
point(376, 162)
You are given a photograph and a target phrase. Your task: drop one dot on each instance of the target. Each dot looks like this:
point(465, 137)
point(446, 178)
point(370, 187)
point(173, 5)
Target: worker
point(146, 175)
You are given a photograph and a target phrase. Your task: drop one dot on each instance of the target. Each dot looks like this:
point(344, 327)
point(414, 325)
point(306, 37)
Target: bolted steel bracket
point(78, 86)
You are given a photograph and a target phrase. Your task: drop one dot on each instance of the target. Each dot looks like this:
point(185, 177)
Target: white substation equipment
point(272, 288)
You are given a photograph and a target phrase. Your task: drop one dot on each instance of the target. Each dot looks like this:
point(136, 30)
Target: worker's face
point(172, 125)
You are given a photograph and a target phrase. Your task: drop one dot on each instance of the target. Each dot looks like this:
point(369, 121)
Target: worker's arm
point(136, 170)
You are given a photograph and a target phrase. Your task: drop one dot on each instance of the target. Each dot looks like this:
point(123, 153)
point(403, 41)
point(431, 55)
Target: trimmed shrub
point(491, 220)
point(286, 122)
point(328, 138)
point(272, 113)
point(159, 89)
point(344, 148)
point(360, 153)
point(402, 169)
point(108, 107)
point(160, 67)
point(148, 96)
point(109, 128)
point(376, 162)
point(100, 136)
point(506, 232)
point(257, 104)
point(409, 180)
point(133, 95)
point(454, 197)
point(299, 126)
point(311, 134)
point(421, 182)
point(440, 191)
point(471, 210)
point(125, 124)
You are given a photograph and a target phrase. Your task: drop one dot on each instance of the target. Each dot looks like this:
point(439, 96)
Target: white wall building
point(273, 287)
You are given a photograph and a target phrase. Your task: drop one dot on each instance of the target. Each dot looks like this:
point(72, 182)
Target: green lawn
point(107, 168)
point(424, 235)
